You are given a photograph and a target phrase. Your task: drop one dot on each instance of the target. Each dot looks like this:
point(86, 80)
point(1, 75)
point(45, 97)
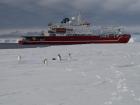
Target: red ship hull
point(65, 40)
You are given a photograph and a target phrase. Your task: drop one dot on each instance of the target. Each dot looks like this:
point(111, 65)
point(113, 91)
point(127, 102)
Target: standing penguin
point(19, 58)
point(45, 61)
point(59, 57)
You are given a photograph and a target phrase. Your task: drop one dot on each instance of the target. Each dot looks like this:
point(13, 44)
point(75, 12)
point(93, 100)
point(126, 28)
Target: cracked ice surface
point(93, 75)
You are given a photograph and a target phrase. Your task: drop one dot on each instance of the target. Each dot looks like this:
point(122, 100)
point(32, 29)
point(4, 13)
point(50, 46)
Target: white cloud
point(107, 5)
point(14, 2)
point(49, 2)
point(81, 4)
point(118, 5)
point(135, 7)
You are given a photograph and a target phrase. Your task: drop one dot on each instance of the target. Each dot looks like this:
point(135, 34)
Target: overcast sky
point(37, 13)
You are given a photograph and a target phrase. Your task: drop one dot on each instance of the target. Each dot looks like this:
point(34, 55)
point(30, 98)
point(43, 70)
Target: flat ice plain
point(94, 74)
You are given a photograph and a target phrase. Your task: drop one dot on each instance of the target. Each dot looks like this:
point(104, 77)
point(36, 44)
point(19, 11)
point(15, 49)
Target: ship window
point(23, 38)
point(26, 38)
point(33, 38)
point(41, 39)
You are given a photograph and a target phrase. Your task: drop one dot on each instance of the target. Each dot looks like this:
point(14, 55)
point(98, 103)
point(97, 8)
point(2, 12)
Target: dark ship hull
point(67, 40)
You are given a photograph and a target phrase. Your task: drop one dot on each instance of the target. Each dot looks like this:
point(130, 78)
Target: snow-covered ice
point(95, 74)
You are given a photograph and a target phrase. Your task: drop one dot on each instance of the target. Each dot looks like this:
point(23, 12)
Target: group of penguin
point(45, 61)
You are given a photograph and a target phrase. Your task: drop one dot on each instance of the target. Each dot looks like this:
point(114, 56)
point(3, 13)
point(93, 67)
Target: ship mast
point(79, 19)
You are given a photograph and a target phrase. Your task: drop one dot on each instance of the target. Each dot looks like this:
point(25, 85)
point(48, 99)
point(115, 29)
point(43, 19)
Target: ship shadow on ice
point(17, 46)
